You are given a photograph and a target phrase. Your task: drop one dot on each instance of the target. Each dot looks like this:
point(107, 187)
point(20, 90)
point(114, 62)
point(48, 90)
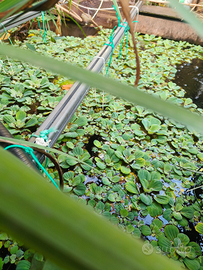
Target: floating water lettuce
point(145, 163)
point(150, 181)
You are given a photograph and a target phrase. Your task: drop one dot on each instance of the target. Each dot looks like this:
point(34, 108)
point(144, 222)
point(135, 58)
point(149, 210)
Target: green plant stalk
point(34, 145)
point(117, 9)
point(188, 16)
point(13, 4)
point(6, 5)
point(70, 4)
point(113, 87)
point(53, 18)
point(65, 231)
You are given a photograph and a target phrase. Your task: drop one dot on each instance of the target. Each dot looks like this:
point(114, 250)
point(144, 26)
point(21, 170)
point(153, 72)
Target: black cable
point(15, 151)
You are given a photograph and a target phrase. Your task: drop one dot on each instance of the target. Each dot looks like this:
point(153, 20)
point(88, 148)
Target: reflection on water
point(189, 76)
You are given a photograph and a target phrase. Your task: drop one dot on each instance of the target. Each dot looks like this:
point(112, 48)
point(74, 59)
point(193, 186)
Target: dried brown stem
point(126, 12)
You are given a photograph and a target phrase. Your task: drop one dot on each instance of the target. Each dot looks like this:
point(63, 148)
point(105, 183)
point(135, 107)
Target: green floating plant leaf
point(130, 228)
point(125, 170)
point(68, 175)
point(71, 134)
point(167, 214)
point(155, 185)
point(177, 215)
point(77, 151)
point(151, 124)
point(97, 143)
point(183, 238)
point(162, 199)
point(146, 199)
point(191, 264)
point(23, 265)
point(164, 243)
point(30, 46)
point(171, 232)
point(178, 206)
point(112, 197)
point(80, 189)
point(146, 230)
point(196, 247)
point(124, 213)
point(144, 177)
point(131, 187)
point(101, 165)
point(181, 251)
point(167, 168)
point(81, 121)
point(137, 233)
point(157, 222)
point(100, 206)
point(139, 162)
point(137, 130)
point(115, 179)
point(138, 154)
point(154, 209)
point(32, 122)
point(20, 115)
point(150, 181)
point(9, 119)
point(200, 156)
point(154, 128)
point(187, 211)
point(77, 180)
point(199, 227)
point(190, 252)
point(183, 222)
point(71, 161)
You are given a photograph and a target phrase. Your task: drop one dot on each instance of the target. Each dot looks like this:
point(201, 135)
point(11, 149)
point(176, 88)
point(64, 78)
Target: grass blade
point(65, 231)
point(113, 87)
point(188, 16)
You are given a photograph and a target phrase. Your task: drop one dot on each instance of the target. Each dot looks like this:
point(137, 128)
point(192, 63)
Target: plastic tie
point(118, 17)
point(30, 151)
point(125, 33)
point(111, 44)
point(44, 134)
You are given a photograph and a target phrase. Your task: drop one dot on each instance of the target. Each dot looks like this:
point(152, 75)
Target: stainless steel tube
point(63, 112)
point(16, 20)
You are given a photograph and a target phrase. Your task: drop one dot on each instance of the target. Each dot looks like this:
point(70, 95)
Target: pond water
point(190, 77)
point(125, 144)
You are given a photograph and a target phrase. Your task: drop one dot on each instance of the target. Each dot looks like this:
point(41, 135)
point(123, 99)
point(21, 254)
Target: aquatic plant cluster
point(140, 167)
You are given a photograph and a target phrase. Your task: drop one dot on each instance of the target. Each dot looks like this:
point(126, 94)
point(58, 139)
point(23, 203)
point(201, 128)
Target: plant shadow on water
point(189, 76)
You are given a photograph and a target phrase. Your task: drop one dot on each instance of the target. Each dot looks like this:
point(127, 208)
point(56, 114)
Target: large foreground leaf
point(113, 87)
point(188, 16)
point(67, 232)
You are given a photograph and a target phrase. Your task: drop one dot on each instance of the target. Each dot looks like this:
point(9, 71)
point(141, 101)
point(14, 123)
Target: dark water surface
point(189, 76)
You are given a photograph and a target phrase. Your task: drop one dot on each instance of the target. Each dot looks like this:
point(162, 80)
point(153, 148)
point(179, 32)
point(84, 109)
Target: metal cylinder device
point(62, 113)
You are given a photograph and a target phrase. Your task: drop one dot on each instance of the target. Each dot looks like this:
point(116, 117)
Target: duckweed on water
point(144, 163)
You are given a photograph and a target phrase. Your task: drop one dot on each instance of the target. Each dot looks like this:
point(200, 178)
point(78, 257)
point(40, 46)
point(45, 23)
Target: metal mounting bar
point(65, 109)
point(16, 20)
